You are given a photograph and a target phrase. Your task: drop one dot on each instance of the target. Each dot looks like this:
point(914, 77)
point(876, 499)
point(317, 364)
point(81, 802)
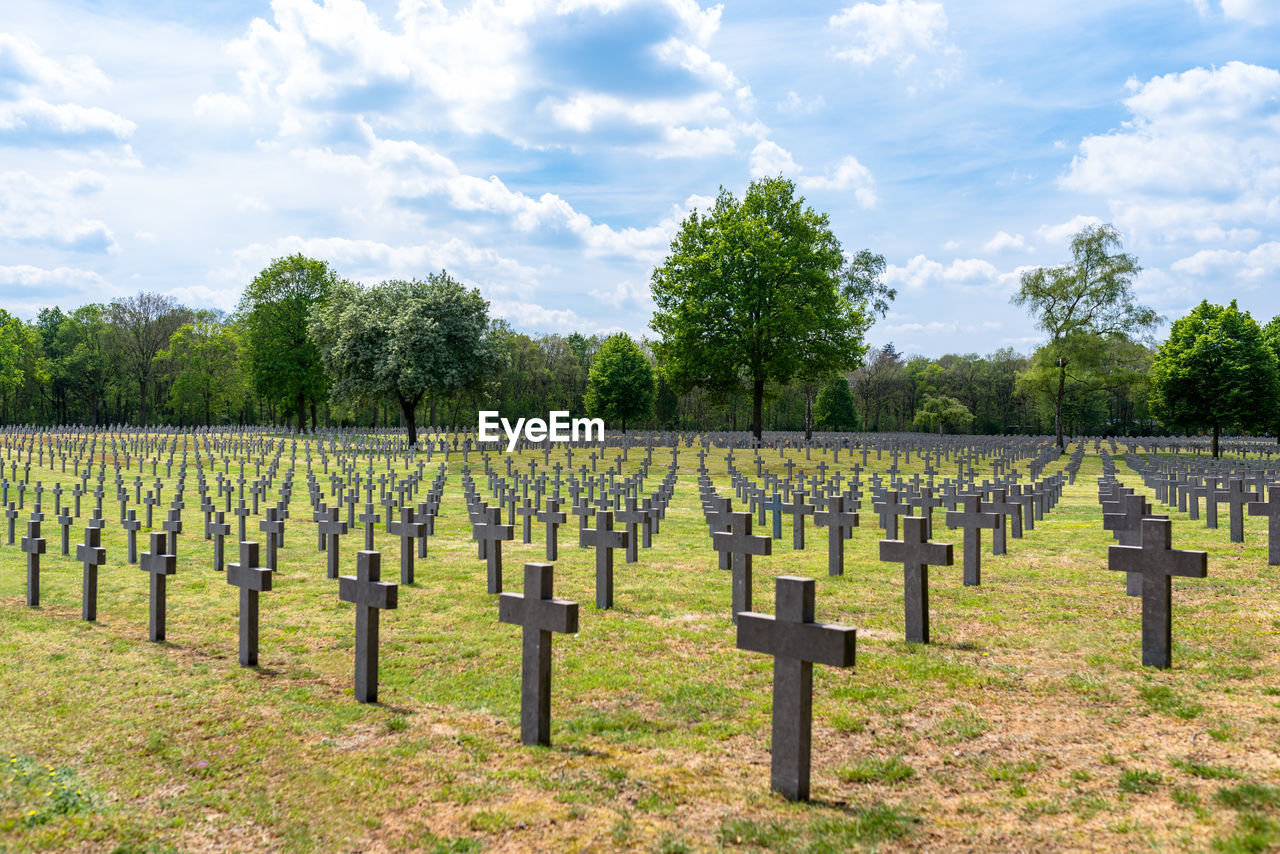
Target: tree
point(1214, 371)
point(834, 409)
point(1081, 305)
point(87, 363)
point(142, 326)
point(1271, 334)
point(204, 355)
point(750, 292)
point(274, 312)
point(620, 385)
point(939, 412)
point(401, 340)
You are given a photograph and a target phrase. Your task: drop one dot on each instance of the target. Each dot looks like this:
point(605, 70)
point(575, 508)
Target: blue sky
point(545, 151)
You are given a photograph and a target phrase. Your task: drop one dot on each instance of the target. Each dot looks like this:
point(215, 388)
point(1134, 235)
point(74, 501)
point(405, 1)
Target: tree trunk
point(808, 412)
point(757, 408)
point(1216, 431)
point(407, 408)
point(142, 403)
point(431, 419)
point(302, 411)
point(1057, 405)
point(313, 416)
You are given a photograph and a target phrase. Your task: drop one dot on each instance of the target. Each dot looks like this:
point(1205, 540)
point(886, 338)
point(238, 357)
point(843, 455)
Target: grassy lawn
point(1028, 724)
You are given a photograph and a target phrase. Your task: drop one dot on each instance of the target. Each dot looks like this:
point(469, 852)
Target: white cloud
point(373, 261)
point(1248, 11)
point(897, 31)
point(38, 120)
point(625, 292)
point(1257, 266)
point(1064, 231)
point(1004, 241)
point(1198, 159)
point(25, 69)
point(768, 158)
point(921, 272)
point(796, 105)
point(51, 212)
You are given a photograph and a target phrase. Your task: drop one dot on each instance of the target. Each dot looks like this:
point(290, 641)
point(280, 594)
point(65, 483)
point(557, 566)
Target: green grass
point(1028, 723)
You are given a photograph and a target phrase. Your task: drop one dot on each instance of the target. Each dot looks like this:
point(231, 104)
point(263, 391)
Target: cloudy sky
point(546, 150)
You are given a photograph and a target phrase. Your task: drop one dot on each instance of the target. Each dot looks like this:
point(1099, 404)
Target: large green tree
point(1215, 371)
point(1082, 305)
point(207, 377)
point(1271, 333)
point(620, 386)
point(751, 290)
point(941, 412)
point(834, 408)
point(402, 340)
point(274, 313)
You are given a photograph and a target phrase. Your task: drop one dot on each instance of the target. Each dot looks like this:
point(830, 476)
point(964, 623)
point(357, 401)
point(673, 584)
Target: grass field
point(1029, 723)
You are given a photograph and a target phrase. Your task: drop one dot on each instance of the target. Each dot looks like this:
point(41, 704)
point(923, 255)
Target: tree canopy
point(942, 413)
point(834, 408)
point(754, 289)
point(274, 312)
point(1215, 371)
point(1083, 305)
point(403, 340)
point(620, 385)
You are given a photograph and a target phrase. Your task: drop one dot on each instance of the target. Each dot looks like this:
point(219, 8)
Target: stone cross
point(890, 508)
point(798, 509)
point(840, 524)
point(916, 554)
point(273, 526)
point(91, 556)
point(1002, 507)
point(217, 528)
point(368, 518)
point(539, 615)
point(1127, 527)
point(1270, 509)
point(332, 528)
point(370, 595)
point(491, 533)
point(159, 565)
point(552, 517)
point(605, 540)
point(252, 580)
point(1157, 562)
point(741, 544)
point(131, 525)
point(972, 520)
point(796, 643)
point(408, 531)
point(173, 527)
point(34, 545)
point(1237, 500)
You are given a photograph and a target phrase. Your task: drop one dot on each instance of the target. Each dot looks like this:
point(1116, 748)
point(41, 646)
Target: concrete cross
point(632, 516)
point(33, 545)
point(218, 529)
point(889, 508)
point(331, 527)
point(1237, 500)
point(796, 643)
point(971, 518)
point(158, 564)
point(173, 527)
point(740, 544)
point(604, 539)
point(252, 580)
point(539, 615)
point(408, 531)
point(491, 533)
point(916, 554)
point(552, 517)
point(1002, 507)
point(840, 524)
point(91, 556)
point(370, 595)
point(273, 526)
point(1156, 562)
point(368, 518)
point(1271, 510)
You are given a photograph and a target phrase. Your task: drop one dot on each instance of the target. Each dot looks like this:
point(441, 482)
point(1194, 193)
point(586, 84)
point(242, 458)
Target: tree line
point(761, 322)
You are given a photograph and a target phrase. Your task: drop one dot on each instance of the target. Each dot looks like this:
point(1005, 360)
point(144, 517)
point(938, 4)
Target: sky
point(546, 151)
